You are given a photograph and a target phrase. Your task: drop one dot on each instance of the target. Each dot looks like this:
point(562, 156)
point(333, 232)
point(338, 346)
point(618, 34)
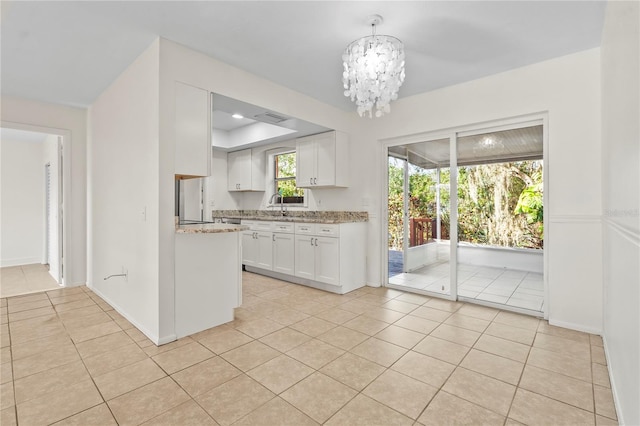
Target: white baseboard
point(152, 336)
point(616, 399)
point(577, 327)
point(19, 261)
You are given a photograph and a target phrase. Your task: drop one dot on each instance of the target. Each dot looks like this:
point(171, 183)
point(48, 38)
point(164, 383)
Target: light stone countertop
point(294, 216)
point(210, 228)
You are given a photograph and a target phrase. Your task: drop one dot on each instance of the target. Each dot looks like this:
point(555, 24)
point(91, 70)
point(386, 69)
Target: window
point(285, 178)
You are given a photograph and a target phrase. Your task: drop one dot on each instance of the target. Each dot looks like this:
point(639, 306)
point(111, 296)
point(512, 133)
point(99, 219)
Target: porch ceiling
point(507, 145)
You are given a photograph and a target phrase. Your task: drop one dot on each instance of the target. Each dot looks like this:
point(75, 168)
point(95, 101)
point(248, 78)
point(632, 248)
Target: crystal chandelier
point(373, 70)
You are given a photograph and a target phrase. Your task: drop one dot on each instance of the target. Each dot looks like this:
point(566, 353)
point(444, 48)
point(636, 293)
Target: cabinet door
point(327, 260)
point(325, 160)
point(239, 170)
point(265, 250)
point(192, 141)
point(305, 257)
point(249, 249)
point(283, 253)
point(305, 163)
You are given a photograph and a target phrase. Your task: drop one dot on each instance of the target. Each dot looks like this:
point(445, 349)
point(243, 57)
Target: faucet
point(283, 212)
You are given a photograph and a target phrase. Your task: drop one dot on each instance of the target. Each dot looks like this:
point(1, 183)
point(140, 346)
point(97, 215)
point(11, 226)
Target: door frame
point(453, 133)
point(64, 187)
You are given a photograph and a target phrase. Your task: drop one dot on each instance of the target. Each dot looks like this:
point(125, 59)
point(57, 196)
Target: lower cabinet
point(327, 256)
point(256, 249)
point(283, 253)
point(208, 280)
point(318, 259)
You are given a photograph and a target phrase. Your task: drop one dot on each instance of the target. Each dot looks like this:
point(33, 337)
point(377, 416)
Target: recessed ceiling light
point(238, 116)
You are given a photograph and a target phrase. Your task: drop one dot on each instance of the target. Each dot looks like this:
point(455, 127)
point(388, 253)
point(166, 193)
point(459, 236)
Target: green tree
point(498, 204)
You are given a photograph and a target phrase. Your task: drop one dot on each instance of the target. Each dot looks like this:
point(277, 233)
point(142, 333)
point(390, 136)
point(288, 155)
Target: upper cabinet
point(246, 171)
point(322, 160)
point(193, 132)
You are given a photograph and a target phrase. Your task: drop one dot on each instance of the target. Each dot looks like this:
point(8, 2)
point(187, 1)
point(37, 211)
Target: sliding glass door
point(465, 217)
point(500, 217)
point(419, 216)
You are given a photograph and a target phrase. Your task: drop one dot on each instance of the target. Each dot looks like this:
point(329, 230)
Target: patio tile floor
point(520, 289)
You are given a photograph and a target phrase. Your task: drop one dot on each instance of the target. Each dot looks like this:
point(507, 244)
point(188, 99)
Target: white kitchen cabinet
point(257, 249)
point(305, 257)
point(322, 160)
point(269, 245)
point(283, 253)
point(208, 280)
point(249, 248)
point(317, 257)
point(326, 256)
point(246, 170)
point(192, 131)
point(327, 260)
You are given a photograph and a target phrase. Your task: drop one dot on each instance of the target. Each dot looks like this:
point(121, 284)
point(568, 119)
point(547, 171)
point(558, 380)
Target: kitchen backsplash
point(342, 216)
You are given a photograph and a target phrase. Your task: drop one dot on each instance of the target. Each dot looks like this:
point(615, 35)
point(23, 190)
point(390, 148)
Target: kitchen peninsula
point(208, 275)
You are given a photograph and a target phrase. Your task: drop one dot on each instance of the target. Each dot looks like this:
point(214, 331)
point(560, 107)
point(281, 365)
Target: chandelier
point(373, 70)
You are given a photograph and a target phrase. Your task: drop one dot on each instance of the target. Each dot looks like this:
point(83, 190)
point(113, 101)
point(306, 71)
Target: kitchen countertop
point(294, 216)
point(209, 228)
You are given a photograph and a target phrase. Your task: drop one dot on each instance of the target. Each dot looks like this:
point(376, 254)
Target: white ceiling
point(68, 52)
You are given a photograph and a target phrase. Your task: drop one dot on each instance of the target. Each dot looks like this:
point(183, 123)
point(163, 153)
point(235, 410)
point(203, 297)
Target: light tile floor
point(509, 287)
point(299, 356)
point(25, 279)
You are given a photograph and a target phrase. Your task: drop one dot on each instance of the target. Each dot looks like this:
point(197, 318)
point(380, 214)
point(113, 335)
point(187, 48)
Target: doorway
point(465, 216)
point(32, 257)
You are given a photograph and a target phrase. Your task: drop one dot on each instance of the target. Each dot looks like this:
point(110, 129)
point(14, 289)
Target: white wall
point(621, 205)
point(568, 90)
point(178, 63)
point(123, 187)
point(71, 122)
point(22, 202)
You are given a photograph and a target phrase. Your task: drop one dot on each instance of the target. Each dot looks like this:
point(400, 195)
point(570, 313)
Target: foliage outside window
point(501, 204)
point(498, 204)
point(285, 179)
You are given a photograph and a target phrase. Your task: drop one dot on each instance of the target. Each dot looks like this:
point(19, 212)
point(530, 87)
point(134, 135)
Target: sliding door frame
point(453, 133)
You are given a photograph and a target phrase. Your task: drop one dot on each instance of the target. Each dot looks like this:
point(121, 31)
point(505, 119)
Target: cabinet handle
point(311, 241)
point(310, 181)
point(315, 181)
point(273, 237)
point(316, 242)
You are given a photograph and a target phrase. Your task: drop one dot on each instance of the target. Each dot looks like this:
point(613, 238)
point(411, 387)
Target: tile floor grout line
point(496, 319)
point(522, 373)
point(104, 401)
